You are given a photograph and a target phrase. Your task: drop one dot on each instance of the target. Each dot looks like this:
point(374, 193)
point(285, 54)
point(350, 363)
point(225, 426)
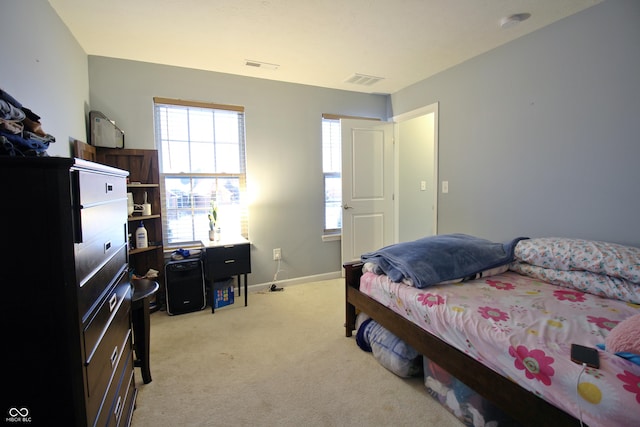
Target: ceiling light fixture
point(258, 64)
point(513, 20)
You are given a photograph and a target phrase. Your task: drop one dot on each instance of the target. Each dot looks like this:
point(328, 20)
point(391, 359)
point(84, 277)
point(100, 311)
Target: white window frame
point(197, 206)
point(331, 169)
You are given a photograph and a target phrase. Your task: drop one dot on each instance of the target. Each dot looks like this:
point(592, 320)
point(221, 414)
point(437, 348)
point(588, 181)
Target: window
point(332, 170)
point(202, 166)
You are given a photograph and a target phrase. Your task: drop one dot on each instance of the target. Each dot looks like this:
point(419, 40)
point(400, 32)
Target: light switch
point(445, 187)
point(423, 185)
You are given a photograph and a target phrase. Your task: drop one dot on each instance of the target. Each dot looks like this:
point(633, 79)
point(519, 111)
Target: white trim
point(431, 108)
point(296, 281)
point(331, 237)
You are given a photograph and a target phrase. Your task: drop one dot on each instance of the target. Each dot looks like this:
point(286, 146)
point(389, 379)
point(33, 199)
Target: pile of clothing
point(21, 133)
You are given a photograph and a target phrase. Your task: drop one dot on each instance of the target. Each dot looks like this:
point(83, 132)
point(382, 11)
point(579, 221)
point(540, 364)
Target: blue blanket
point(434, 259)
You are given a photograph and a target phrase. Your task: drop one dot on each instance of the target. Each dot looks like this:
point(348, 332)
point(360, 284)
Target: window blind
point(202, 167)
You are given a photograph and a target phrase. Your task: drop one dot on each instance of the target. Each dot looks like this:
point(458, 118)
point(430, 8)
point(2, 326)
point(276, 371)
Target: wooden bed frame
point(522, 405)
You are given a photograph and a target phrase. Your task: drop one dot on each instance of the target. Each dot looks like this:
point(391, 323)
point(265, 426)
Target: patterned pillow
point(565, 254)
point(585, 281)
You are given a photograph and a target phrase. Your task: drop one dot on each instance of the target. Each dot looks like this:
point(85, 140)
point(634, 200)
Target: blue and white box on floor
point(223, 293)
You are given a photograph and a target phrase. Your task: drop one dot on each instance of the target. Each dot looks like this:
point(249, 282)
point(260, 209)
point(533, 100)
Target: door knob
point(345, 207)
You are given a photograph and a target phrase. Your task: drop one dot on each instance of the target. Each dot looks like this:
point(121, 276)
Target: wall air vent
point(364, 80)
point(258, 64)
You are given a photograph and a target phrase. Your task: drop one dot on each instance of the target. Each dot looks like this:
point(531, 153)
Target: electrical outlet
point(277, 254)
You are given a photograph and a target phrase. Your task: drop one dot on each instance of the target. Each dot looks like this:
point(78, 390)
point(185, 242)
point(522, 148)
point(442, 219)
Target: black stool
point(143, 289)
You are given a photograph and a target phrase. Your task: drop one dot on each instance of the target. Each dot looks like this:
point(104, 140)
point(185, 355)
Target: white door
point(367, 187)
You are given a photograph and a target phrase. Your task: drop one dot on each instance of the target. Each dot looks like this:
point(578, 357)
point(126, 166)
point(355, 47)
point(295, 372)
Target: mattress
point(523, 329)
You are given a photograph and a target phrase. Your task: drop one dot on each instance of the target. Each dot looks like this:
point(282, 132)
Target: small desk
point(143, 289)
point(226, 258)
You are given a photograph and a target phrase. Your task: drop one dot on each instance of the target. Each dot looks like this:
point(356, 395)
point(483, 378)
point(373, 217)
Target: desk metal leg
point(245, 288)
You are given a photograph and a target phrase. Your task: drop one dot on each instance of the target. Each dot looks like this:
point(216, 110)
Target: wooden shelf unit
point(144, 176)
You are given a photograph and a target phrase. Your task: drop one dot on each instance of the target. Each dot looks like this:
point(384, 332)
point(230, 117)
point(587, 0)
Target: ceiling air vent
point(258, 64)
point(364, 80)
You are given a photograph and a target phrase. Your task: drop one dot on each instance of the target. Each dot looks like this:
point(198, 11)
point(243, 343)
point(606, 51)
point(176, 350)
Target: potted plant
point(214, 232)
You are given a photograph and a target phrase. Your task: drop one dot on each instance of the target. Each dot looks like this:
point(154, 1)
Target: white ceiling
point(313, 42)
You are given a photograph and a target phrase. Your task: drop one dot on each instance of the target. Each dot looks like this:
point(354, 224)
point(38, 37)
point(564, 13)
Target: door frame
point(418, 112)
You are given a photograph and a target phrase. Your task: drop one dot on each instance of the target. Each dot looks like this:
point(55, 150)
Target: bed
point(526, 302)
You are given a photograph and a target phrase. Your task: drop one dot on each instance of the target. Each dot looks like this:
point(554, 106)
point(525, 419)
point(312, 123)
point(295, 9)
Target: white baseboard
point(296, 281)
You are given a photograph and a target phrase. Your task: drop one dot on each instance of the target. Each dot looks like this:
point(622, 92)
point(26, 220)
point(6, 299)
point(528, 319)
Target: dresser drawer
point(114, 403)
point(95, 220)
point(91, 291)
point(129, 403)
point(101, 364)
point(97, 187)
point(104, 232)
point(98, 323)
point(225, 261)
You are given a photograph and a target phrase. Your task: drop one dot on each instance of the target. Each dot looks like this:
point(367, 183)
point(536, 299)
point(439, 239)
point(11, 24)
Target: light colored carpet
point(281, 361)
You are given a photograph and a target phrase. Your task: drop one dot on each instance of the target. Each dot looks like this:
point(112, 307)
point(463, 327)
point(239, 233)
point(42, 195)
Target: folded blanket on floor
point(435, 259)
point(389, 350)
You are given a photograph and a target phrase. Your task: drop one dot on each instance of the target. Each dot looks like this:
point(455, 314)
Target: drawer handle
point(76, 212)
point(228, 246)
point(112, 302)
point(109, 187)
point(229, 261)
point(116, 411)
point(114, 356)
point(107, 246)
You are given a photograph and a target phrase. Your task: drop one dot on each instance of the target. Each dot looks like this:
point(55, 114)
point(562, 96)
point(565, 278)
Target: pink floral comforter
point(523, 328)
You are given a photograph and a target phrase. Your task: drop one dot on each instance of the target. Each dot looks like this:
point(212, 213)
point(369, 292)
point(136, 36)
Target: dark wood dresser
point(66, 295)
